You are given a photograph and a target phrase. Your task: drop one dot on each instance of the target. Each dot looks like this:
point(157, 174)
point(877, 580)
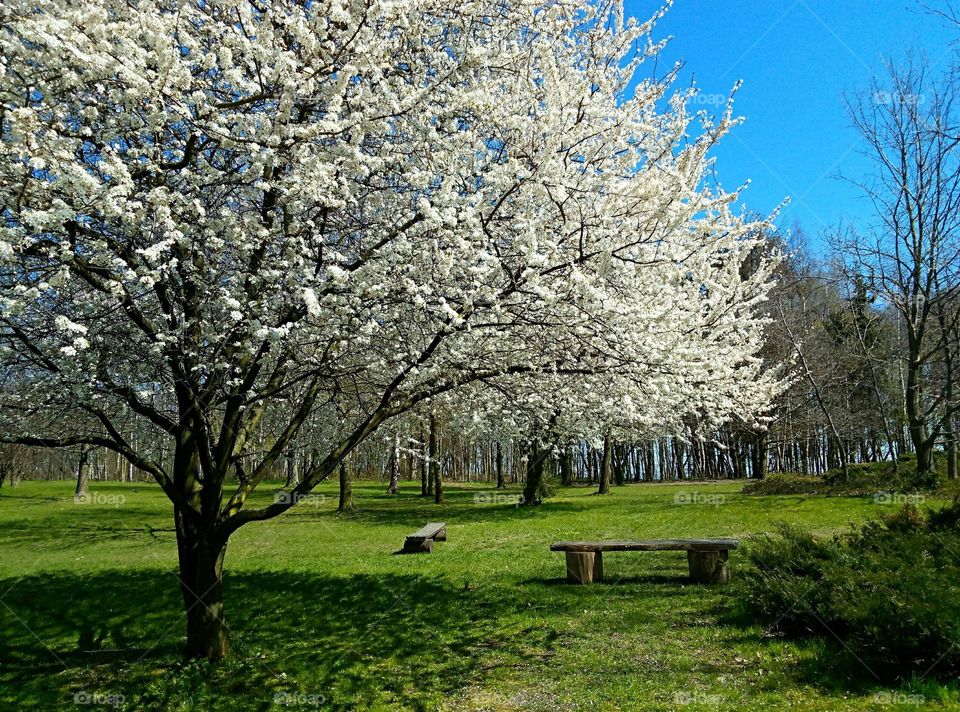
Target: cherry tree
point(226, 215)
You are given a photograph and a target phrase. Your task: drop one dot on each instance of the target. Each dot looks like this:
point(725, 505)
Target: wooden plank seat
point(707, 558)
point(421, 541)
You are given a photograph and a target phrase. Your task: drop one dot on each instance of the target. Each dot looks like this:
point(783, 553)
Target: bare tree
point(912, 259)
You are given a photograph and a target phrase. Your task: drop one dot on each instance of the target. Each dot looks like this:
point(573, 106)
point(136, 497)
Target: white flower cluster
point(397, 200)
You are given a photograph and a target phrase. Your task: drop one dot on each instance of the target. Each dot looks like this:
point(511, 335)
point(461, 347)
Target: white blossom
point(406, 203)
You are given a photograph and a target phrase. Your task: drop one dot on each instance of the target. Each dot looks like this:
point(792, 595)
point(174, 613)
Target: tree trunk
point(83, 475)
point(438, 486)
point(201, 583)
point(680, 463)
point(501, 483)
point(606, 465)
point(916, 422)
point(619, 464)
point(346, 489)
point(434, 450)
point(424, 467)
point(924, 457)
point(758, 453)
point(950, 448)
point(291, 469)
point(394, 485)
point(534, 491)
point(566, 467)
point(949, 433)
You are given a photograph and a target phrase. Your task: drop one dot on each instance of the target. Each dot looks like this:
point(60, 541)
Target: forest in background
point(846, 345)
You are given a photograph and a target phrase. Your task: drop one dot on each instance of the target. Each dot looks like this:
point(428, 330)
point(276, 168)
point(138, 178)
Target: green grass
point(320, 607)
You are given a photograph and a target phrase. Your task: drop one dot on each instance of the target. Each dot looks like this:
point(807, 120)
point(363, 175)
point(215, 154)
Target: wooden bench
point(707, 558)
point(421, 541)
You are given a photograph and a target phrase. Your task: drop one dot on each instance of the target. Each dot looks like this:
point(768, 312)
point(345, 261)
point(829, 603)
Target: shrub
point(871, 477)
point(786, 483)
point(890, 590)
point(861, 479)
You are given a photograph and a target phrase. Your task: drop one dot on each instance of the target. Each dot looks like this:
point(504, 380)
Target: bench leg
point(709, 566)
point(417, 547)
point(584, 566)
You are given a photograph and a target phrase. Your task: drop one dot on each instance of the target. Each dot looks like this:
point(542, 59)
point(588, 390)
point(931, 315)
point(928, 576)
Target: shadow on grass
point(459, 507)
point(822, 661)
point(354, 641)
point(12, 494)
point(677, 582)
point(80, 534)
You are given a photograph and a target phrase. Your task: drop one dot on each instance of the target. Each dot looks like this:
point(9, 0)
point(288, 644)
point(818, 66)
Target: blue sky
point(796, 59)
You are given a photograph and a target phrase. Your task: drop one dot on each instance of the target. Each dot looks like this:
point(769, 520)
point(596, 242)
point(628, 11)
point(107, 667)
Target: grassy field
point(323, 615)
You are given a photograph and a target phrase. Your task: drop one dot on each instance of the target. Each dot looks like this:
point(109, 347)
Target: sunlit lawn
point(323, 614)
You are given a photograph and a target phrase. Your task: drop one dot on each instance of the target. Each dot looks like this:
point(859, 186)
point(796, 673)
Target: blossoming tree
point(224, 214)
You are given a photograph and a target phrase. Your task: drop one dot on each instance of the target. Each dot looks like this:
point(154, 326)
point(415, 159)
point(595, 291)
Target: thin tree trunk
point(435, 473)
point(950, 447)
point(818, 395)
point(606, 465)
point(291, 469)
point(346, 489)
point(949, 434)
point(758, 452)
point(501, 483)
point(394, 485)
point(916, 422)
point(619, 455)
point(425, 488)
point(83, 475)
